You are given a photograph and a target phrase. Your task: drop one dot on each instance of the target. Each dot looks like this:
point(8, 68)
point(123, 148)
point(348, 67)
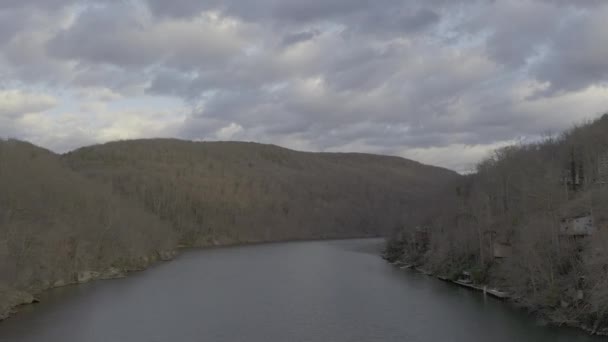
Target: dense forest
point(229, 192)
point(102, 211)
point(532, 221)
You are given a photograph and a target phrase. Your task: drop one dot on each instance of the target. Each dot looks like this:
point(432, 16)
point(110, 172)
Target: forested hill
point(231, 192)
point(103, 210)
point(57, 227)
point(532, 221)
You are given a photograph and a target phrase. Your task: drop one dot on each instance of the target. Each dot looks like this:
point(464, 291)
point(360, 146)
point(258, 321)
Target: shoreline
point(502, 296)
point(492, 292)
point(12, 300)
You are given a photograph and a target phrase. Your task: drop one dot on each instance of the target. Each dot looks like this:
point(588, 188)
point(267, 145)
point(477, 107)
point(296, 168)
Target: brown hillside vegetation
point(103, 210)
point(229, 192)
point(57, 227)
point(533, 220)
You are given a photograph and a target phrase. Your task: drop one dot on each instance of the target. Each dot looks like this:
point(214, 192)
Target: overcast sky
point(440, 81)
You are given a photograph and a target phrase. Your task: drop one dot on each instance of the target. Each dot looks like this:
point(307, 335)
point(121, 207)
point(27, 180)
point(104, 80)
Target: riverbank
point(549, 319)
point(11, 300)
point(492, 292)
point(336, 291)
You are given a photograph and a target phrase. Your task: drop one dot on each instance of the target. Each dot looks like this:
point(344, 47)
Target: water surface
point(289, 292)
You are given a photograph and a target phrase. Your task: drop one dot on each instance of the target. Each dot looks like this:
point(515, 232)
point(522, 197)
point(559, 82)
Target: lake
point(286, 292)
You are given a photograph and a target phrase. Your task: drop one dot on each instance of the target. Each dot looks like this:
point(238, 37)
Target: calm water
point(311, 291)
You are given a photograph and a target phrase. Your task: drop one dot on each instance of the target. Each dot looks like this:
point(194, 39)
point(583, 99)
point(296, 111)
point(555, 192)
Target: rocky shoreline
point(504, 296)
point(12, 299)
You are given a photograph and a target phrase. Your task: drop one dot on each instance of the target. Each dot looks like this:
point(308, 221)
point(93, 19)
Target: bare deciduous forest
point(532, 221)
point(101, 211)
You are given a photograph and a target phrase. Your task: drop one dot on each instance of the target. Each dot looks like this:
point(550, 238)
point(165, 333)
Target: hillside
point(101, 211)
point(57, 227)
point(230, 192)
point(531, 221)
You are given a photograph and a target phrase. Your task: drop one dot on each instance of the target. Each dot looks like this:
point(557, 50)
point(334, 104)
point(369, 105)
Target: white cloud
point(99, 122)
point(229, 132)
point(137, 124)
point(459, 157)
point(16, 103)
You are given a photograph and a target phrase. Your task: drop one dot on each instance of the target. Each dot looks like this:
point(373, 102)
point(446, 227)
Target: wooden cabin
point(502, 250)
point(578, 226)
point(602, 169)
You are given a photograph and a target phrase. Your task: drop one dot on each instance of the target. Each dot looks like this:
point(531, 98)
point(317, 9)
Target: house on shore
point(577, 226)
point(602, 170)
point(500, 243)
point(421, 237)
point(502, 250)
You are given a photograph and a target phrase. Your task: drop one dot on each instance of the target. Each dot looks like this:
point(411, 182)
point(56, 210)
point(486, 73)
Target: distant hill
point(232, 192)
point(104, 210)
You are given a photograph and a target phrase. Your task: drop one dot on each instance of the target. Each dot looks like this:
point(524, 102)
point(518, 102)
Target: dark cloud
point(280, 10)
point(101, 35)
point(294, 38)
point(46, 4)
point(578, 56)
point(362, 15)
point(518, 29)
point(10, 24)
point(417, 20)
point(121, 35)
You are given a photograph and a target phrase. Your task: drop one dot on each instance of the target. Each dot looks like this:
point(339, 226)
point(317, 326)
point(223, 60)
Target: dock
point(496, 293)
point(493, 292)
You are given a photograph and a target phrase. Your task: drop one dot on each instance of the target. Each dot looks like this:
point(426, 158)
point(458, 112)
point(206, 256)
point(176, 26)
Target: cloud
point(120, 35)
point(287, 10)
point(229, 132)
point(464, 161)
point(34, 4)
point(436, 80)
point(16, 103)
point(295, 38)
point(578, 57)
point(96, 122)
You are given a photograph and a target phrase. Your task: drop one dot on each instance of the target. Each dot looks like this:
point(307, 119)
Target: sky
point(444, 82)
